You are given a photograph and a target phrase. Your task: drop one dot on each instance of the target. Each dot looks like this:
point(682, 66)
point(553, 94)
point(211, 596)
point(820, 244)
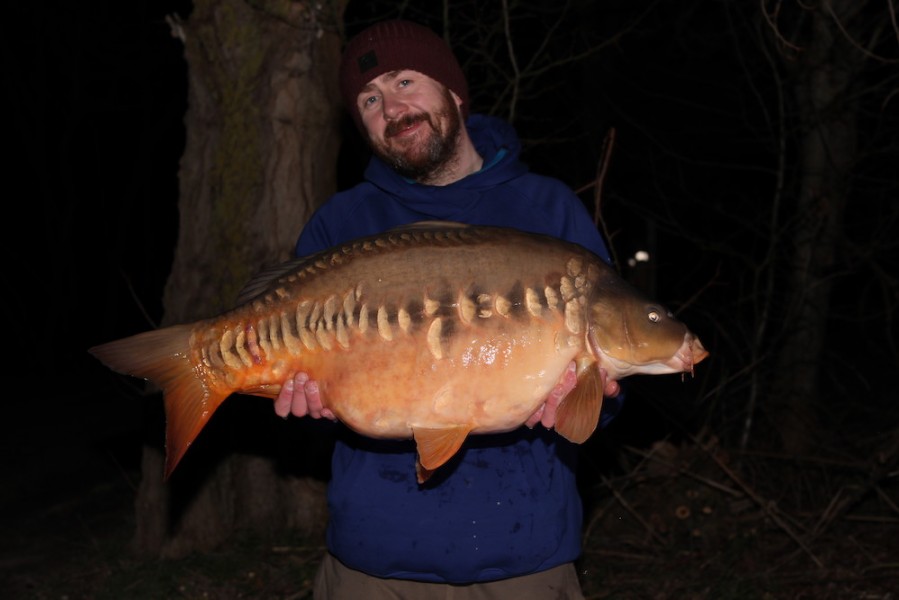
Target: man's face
point(413, 122)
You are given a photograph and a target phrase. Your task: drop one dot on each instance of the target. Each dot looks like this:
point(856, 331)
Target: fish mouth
point(689, 354)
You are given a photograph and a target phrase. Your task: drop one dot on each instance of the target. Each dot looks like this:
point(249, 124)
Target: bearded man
point(502, 519)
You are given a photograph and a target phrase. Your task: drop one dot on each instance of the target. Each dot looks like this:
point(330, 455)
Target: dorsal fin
point(435, 224)
point(261, 282)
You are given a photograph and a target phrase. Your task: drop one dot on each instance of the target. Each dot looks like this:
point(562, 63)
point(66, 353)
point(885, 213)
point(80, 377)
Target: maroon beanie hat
point(393, 46)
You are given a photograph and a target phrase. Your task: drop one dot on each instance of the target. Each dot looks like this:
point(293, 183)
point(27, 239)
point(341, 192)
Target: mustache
point(395, 127)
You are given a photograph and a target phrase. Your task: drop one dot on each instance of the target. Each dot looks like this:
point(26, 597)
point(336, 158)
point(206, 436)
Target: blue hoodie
point(506, 504)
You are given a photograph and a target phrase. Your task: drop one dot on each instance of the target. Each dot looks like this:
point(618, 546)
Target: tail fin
point(578, 414)
point(162, 356)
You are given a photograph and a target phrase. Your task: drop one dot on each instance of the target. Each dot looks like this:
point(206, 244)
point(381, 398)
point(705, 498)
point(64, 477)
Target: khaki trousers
point(334, 581)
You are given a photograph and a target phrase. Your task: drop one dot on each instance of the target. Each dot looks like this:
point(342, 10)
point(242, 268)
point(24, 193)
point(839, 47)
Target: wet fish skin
point(433, 332)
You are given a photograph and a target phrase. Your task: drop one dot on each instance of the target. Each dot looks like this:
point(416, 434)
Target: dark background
point(96, 96)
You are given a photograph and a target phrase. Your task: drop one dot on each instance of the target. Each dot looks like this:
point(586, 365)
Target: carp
point(432, 332)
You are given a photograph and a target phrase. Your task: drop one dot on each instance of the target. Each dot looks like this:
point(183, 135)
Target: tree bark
point(825, 70)
point(262, 139)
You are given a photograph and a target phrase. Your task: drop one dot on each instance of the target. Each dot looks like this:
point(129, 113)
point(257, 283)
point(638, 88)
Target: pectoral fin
point(436, 446)
point(262, 390)
point(578, 414)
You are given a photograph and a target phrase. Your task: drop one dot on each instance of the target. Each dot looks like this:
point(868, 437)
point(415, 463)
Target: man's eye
point(370, 100)
point(405, 82)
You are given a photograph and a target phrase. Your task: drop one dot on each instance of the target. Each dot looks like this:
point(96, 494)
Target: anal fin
point(421, 473)
point(436, 446)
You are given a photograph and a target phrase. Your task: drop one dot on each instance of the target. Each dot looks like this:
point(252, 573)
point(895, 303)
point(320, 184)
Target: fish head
point(630, 334)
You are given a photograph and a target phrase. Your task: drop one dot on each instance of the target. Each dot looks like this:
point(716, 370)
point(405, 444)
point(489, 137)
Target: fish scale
point(433, 332)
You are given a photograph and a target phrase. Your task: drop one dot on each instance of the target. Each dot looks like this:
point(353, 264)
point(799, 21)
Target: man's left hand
point(546, 414)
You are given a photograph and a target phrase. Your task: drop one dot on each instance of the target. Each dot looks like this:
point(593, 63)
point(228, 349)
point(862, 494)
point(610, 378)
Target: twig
point(688, 473)
point(618, 554)
point(769, 507)
point(602, 169)
point(775, 28)
point(878, 470)
point(889, 501)
point(624, 503)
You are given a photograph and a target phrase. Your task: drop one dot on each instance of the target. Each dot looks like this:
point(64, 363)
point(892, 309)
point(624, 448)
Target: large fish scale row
point(325, 325)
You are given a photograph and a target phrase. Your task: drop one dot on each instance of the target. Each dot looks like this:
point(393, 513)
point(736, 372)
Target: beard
point(423, 160)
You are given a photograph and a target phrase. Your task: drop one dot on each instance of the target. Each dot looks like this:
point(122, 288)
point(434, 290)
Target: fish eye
point(654, 316)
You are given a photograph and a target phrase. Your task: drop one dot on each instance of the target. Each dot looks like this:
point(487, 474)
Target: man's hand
point(299, 397)
point(546, 414)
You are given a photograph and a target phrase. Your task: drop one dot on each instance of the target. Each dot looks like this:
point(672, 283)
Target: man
point(504, 520)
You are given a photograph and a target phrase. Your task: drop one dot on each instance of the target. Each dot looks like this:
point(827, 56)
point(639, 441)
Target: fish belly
point(490, 378)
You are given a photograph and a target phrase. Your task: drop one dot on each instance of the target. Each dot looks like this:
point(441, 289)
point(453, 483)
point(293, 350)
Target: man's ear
point(456, 98)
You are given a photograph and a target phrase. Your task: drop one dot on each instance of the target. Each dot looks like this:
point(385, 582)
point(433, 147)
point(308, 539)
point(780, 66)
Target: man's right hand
point(299, 396)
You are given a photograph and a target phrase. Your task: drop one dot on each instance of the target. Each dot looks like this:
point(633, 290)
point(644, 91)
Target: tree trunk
point(262, 138)
point(825, 78)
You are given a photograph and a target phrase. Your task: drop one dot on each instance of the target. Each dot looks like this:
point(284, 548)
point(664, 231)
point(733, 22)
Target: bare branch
point(772, 22)
point(854, 43)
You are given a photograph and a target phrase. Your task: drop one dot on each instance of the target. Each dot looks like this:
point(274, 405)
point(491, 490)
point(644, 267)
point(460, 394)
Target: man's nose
point(393, 106)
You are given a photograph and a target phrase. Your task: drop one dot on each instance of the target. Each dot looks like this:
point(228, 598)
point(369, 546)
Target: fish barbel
point(433, 331)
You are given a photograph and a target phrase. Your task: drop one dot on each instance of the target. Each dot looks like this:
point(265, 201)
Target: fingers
point(610, 387)
point(301, 396)
point(568, 383)
point(313, 401)
point(299, 405)
point(536, 417)
point(546, 413)
point(284, 399)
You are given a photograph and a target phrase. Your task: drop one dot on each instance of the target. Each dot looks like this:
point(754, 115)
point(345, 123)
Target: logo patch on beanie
point(367, 61)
